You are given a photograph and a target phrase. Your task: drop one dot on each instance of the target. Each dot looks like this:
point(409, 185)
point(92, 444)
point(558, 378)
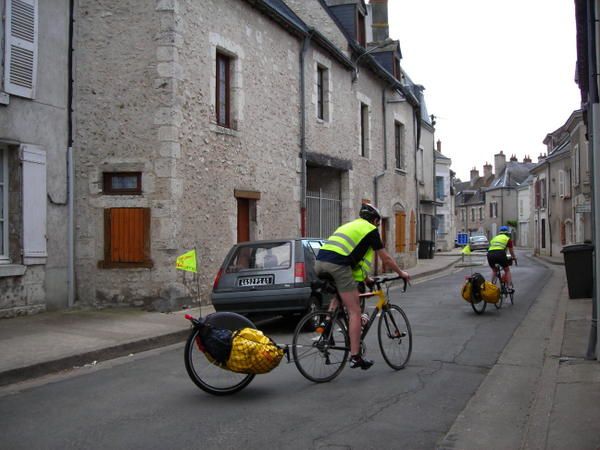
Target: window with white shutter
point(561, 183)
point(21, 39)
point(34, 204)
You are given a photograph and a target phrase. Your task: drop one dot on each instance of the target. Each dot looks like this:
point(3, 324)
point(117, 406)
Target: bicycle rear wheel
point(478, 306)
point(320, 354)
point(395, 337)
point(208, 375)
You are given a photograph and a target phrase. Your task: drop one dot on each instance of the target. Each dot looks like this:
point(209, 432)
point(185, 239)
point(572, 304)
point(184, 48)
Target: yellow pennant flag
point(466, 250)
point(187, 261)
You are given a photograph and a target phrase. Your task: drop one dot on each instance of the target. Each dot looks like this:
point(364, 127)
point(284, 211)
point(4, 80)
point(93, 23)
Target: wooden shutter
point(400, 232)
point(20, 63)
point(127, 235)
point(34, 204)
point(413, 232)
point(538, 197)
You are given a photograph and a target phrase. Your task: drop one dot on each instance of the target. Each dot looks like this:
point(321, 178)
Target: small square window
point(122, 183)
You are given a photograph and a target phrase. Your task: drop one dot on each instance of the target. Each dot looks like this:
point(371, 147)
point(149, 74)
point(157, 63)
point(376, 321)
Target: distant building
point(444, 195)
point(501, 195)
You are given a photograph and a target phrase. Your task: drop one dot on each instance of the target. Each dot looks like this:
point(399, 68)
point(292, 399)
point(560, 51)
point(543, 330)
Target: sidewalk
point(37, 345)
point(542, 393)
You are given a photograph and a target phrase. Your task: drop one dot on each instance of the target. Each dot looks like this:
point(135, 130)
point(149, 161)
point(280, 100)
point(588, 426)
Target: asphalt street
point(149, 402)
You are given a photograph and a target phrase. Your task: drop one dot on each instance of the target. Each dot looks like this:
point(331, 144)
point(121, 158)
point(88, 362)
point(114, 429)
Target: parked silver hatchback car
point(478, 243)
point(271, 277)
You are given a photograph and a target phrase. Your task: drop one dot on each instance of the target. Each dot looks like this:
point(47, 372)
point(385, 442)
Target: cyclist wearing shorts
point(497, 252)
point(347, 257)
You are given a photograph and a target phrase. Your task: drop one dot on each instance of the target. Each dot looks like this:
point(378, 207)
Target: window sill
point(222, 130)
point(122, 265)
point(400, 171)
point(4, 98)
point(12, 270)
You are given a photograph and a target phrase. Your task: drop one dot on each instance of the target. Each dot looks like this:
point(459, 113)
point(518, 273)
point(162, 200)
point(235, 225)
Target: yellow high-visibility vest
point(346, 238)
point(499, 242)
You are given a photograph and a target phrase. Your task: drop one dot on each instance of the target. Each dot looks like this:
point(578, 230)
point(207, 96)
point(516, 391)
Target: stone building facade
point(561, 196)
point(34, 141)
point(161, 168)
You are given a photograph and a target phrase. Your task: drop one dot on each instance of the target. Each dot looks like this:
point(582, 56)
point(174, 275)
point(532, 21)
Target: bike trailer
point(471, 290)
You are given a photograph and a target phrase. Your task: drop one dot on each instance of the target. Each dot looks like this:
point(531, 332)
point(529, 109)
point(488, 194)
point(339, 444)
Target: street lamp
point(387, 41)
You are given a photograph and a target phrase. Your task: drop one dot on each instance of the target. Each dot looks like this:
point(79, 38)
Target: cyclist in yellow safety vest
point(497, 252)
point(348, 256)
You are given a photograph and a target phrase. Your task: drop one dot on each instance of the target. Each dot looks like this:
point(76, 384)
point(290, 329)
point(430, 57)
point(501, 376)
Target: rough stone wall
point(261, 153)
point(314, 15)
point(147, 103)
point(121, 104)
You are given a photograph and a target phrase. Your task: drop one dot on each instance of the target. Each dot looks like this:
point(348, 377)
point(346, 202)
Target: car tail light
point(217, 278)
point(299, 273)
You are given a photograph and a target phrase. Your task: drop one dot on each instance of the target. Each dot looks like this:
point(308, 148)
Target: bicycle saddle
point(325, 283)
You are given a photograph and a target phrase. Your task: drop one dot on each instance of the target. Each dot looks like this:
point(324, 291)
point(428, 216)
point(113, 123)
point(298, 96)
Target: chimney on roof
point(380, 26)
point(499, 162)
point(513, 158)
point(439, 146)
point(541, 157)
point(474, 175)
point(526, 159)
point(487, 170)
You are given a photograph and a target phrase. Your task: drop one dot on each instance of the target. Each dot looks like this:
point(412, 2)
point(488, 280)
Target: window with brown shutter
point(413, 232)
point(400, 218)
point(126, 238)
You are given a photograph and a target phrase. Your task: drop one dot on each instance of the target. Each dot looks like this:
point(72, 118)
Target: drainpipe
point(70, 170)
point(594, 145)
point(375, 182)
point(418, 205)
point(384, 110)
point(305, 44)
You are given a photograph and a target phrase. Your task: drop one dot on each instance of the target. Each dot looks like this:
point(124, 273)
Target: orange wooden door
point(243, 220)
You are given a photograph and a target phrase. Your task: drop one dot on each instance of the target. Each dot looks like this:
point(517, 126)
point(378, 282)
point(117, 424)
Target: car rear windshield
point(261, 256)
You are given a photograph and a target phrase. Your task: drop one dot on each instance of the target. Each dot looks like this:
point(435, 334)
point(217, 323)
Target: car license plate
point(263, 280)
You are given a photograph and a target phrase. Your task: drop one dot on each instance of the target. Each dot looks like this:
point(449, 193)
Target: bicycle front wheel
point(208, 375)
point(395, 337)
point(320, 354)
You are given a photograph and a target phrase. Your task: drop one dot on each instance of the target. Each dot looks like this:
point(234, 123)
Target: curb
point(69, 362)
point(434, 271)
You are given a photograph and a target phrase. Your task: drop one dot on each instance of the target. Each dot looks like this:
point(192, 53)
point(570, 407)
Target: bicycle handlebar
point(382, 280)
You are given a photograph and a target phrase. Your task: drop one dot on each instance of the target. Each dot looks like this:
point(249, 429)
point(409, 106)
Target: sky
point(498, 75)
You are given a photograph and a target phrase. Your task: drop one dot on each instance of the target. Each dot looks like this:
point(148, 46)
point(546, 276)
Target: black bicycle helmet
point(369, 212)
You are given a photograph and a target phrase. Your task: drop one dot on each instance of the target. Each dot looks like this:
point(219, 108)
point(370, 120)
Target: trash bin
point(426, 249)
point(578, 266)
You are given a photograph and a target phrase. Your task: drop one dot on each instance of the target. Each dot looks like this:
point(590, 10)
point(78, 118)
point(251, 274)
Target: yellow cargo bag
point(490, 292)
point(253, 352)
point(467, 290)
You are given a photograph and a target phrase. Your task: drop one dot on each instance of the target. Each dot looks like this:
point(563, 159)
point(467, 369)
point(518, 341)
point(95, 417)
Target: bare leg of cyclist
point(351, 301)
point(508, 276)
point(494, 274)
